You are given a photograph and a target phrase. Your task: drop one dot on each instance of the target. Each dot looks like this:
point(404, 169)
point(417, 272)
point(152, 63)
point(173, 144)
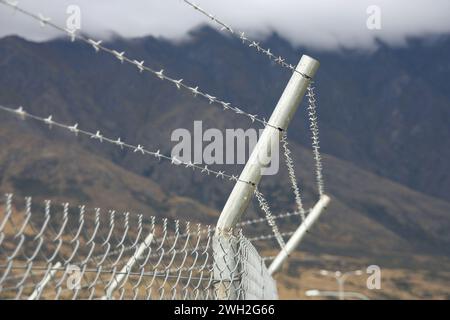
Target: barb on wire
point(245, 40)
point(261, 220)
point(270, 236)
point(269, 217)
point(121, 56)
point(292, 177)
point(314, 126)
point(136, 149)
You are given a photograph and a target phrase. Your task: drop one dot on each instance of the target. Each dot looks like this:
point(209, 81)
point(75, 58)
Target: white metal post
point(298, 235)
point(334, 294)
point(243, 191)
point(340, 279)
point(40, 287)
point(240, 197)
point(126, 269)
point(340, 282)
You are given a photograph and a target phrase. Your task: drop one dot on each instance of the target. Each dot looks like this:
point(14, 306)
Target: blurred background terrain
point(384, 124)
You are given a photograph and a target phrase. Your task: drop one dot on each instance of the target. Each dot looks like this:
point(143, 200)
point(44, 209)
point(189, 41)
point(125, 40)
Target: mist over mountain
point(384, 127)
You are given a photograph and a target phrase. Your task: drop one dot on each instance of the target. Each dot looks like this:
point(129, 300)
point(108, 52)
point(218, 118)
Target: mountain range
point(384, 127)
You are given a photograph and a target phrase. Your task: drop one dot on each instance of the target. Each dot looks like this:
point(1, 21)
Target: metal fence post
point(129, 265)
point(297, 237)
point(48, 276)
point(242, 193)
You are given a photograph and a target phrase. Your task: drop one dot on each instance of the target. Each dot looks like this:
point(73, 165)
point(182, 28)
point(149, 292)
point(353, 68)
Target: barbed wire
point(292, 177)
point(312, 105)
point(271, 236)
point(269, 217)
point(139, 148)
point(201, 229)
point(260, 220)
point(97, 45)
point(119, 143)
point(314, 126)
point(179, 83)
point(279, 60)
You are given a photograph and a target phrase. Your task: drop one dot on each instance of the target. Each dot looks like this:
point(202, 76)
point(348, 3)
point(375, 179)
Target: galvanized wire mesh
point(52, 251)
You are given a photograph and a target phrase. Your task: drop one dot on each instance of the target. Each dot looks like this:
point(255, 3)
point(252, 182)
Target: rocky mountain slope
point(384, 131)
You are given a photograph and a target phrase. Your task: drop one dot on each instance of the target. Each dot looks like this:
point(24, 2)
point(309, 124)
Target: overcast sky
point(326, 24)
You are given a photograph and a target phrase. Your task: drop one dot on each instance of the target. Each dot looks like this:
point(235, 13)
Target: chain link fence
point(50, 251)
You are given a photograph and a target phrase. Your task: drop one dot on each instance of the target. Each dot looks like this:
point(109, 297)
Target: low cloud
point(323, 24)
